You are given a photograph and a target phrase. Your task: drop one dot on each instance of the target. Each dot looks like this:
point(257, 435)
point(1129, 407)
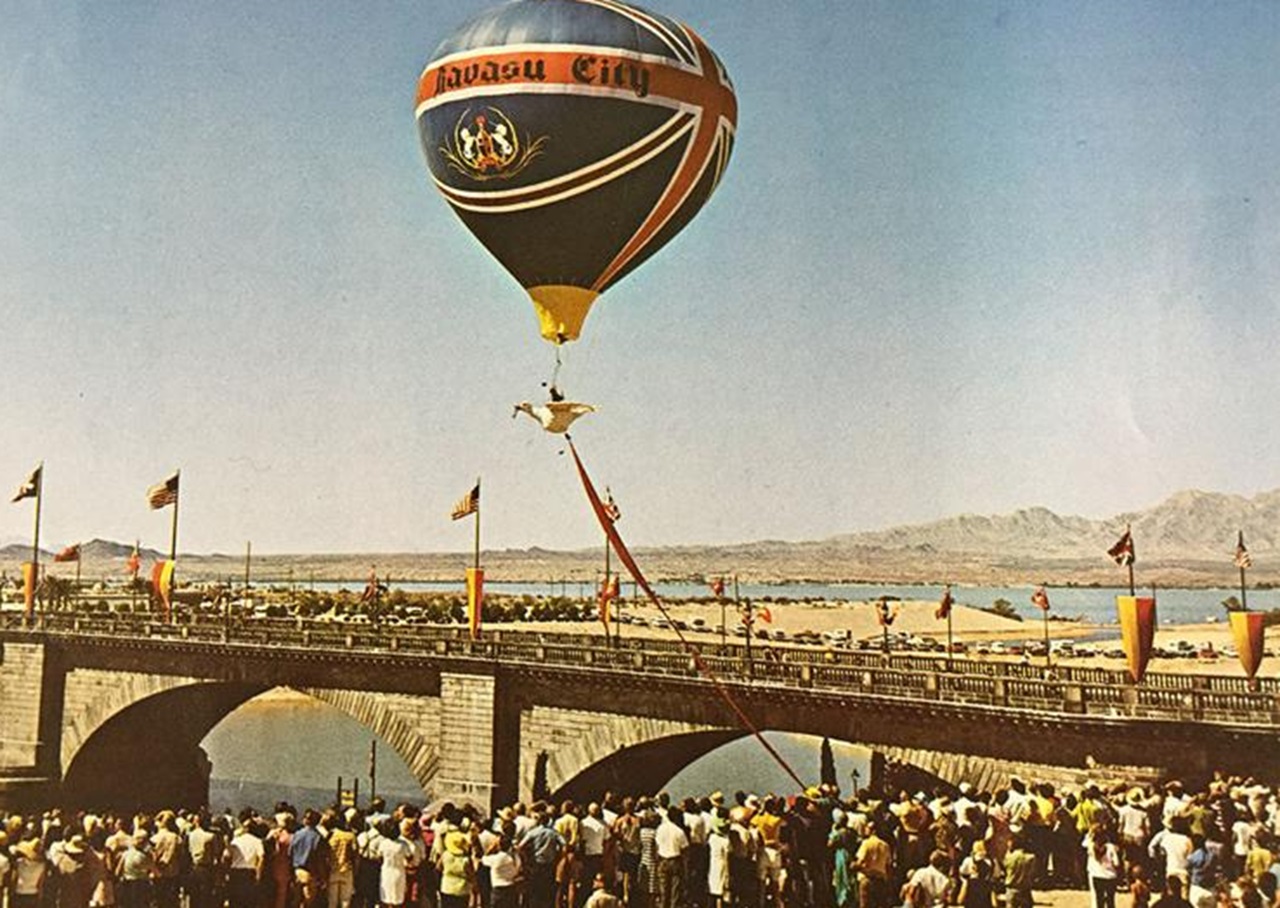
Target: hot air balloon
point(574, 138)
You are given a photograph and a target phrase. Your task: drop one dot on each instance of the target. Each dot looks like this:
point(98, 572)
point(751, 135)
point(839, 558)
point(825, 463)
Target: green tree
point(1004, 608)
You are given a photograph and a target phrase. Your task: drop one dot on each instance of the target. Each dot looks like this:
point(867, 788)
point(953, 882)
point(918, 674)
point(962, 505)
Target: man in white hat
point(1134, 827)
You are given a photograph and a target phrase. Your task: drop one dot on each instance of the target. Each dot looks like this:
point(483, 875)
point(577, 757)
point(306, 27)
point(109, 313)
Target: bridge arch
point(644, 768)
point(132, 740)
point(147, 754)
point(588, 752)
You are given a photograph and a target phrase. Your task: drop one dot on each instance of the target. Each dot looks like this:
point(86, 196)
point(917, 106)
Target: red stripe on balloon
point(607, 71)
point(699, 153)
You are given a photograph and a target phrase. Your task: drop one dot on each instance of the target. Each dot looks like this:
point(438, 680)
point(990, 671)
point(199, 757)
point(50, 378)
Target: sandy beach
point(917, 618)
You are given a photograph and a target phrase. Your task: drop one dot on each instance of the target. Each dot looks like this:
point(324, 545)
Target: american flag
point(1242, 558)
point(1040, 599)
point(467, 504)
point(163, 494)
point(1122, 551)
point(30, 488)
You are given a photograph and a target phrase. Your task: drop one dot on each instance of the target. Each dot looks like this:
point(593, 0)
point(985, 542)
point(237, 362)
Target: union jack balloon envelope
point(574, 138)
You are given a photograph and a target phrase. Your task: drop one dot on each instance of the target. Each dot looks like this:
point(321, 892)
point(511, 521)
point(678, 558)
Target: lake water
point(1097, 604)
point(294, 748)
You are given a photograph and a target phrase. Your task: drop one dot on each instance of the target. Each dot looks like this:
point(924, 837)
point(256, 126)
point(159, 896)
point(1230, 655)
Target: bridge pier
point(31, 690)
point(479, 740)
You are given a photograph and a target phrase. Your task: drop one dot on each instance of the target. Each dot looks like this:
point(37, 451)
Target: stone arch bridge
point(111, 712)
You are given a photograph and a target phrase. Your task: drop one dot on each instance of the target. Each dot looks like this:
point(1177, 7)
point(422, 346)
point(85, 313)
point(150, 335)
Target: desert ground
point(917, 618)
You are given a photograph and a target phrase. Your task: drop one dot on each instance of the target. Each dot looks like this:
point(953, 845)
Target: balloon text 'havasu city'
point(540, 116)
point(587, 70)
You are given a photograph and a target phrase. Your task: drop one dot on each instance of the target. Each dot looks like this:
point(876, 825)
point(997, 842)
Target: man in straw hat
point(29, 872)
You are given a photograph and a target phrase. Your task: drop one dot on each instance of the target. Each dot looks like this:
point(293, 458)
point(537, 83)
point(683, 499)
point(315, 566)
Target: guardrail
point(1063, 690)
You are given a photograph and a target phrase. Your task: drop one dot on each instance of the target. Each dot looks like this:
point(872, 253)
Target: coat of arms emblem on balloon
point(486, 145)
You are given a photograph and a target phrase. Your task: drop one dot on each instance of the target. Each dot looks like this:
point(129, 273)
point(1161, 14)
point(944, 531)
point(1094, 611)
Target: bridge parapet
point(1065, 690)
point(1008, 711)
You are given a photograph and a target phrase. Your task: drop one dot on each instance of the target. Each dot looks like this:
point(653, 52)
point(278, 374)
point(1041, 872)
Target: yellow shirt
point(768, 826)
point(874, 858)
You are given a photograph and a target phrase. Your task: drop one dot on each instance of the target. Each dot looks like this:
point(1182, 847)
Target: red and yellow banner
point(475, 599)
point(608, 593)
point(1137, 631)
point(29, 587)
point(162, 583)
point(1247, 632)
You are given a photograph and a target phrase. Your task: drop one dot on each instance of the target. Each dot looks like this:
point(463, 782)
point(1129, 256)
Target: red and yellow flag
point(943, 611)
point(1247, 633)
point(29, 587)
point(608, 593)
point(475, 599)
point(1137, 631)
point(162, 583)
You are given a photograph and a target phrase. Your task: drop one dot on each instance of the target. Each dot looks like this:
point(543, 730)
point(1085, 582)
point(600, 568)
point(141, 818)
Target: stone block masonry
point(479, 740)
point(21, 695)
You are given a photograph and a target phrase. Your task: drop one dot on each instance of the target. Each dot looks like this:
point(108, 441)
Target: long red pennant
point(620, 547)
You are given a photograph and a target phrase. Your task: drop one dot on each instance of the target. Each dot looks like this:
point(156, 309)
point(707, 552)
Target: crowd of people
point(1160, 847)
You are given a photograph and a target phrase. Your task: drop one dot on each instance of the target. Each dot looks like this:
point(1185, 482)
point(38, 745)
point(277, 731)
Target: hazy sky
point(968, 256)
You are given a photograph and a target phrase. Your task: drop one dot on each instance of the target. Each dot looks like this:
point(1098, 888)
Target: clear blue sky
point(968, 257)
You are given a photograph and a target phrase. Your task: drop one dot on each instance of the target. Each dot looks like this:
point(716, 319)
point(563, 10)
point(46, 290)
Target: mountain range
point(1187, 540)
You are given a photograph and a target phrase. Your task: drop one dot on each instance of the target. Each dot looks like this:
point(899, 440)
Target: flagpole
point(617, 618)
point(724, 622)
point(173, 546)
point(1244, 602)
point(737, 601)
point(1047, 662)
point(133, 579)
point(950, 644)
point(1132, 588)
point(476, 553)
point(604, 593)
point(173, 533)
point(35, 545)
